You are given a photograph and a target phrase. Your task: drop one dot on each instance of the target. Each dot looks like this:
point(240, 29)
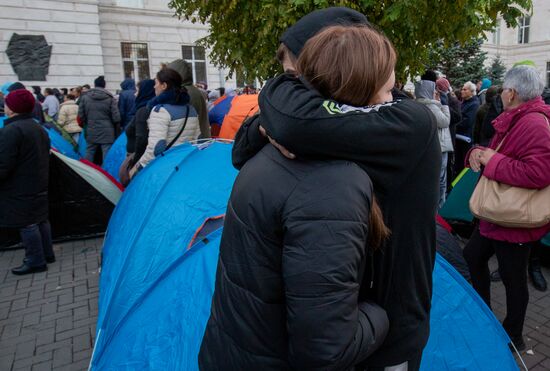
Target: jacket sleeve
point(324, 249)
point(530, 166)
point(122, 109)
point(82, 111)
point(63, 118)
point(9, 143)
point(442, 114)
point(248, 141)
point(115, 113)
point(158, 130)
point(200, 106)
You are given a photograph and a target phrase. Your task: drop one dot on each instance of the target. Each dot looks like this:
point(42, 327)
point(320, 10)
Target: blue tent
point(2, 118)
point(158, 274)
point(60, 144)
point(115, 157)
point(218, 112)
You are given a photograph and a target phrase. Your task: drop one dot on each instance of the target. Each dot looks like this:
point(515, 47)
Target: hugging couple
point(328, 245)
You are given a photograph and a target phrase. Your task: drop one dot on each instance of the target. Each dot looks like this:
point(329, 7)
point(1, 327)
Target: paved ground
point(47, 320)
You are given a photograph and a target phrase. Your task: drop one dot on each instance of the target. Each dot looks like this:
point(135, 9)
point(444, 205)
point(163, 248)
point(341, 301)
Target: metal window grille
point(196, 57)
point(496, 33)
point(135, 60)
point(523, 31)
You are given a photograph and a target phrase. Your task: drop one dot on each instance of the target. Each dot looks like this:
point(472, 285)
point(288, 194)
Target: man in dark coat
point(24, 166)
point(397, 145)
point(196, 98)
point(126, 100)
point(99, 114)
point(465, 128)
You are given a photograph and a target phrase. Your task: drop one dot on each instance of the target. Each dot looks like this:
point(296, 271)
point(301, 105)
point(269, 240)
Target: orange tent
point(242, 107)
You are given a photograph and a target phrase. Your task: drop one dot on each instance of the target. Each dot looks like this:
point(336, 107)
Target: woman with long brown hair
point(298, 234)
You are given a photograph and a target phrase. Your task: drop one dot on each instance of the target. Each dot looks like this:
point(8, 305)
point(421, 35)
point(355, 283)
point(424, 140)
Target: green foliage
point(244, 34)
point(460, 63)
point(496, 71)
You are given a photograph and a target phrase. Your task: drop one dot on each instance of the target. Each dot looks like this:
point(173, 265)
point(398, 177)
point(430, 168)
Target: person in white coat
point(172, 118)
point(426, 94)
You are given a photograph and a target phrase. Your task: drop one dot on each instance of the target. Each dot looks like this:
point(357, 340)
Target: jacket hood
point(68, 103)
point(546, 95)
point(424, 89)
point(503, 121)
point(99, 94)
point(128, 84)
point(184, 69)
point(486, 84)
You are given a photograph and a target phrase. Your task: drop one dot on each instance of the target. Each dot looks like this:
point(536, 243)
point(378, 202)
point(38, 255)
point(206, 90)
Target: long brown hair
point(350, 65)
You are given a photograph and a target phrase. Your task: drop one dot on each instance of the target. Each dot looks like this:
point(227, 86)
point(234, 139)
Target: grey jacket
point(98, 112)
point(424, 92)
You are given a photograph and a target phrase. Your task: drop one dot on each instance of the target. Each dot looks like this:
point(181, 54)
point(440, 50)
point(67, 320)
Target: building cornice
point(148, 12)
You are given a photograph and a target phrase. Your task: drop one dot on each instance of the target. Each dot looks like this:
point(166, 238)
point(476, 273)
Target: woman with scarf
point(171, 117)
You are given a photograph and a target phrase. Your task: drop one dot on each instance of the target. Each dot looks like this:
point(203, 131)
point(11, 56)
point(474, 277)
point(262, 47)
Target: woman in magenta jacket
point(523, 160)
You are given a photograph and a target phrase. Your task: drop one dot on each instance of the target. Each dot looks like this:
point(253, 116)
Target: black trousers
point(512, 266)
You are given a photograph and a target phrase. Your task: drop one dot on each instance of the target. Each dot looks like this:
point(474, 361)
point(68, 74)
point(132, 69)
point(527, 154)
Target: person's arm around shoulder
point(324, 251)
point(158, 123)
point(9, 143)
point(248, 141)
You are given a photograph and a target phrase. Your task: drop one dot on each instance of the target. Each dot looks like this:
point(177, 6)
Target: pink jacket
point(523, 160)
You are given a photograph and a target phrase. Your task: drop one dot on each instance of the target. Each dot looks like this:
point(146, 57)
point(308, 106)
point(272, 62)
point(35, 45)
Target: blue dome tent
point(158, 274)
point(115, 157)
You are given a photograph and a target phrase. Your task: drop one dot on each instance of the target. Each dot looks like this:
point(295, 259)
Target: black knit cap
point(296, 36)
point(100, 82)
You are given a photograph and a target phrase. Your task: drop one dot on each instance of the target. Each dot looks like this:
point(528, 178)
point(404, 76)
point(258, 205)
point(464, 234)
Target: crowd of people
point(328, 245)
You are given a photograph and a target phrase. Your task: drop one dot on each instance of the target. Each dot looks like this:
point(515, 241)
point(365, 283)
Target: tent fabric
point(115, 157)
point(81, 200)
point(61, 145)
point(2, 118)
point(242, 107)
point(218, 112)
point(146, 261)
point(157, 292)
point(464, 333)
point(457, 207)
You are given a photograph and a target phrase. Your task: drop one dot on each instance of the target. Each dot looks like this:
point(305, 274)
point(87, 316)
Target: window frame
point(192, 62)
point(548, 74)
point(524, 30)
point(496, 33)
point(135, 59)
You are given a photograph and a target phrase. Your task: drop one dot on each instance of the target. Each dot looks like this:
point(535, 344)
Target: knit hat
point(486, 83)
point(16, 86)
point(296, 36)
point(443, 85)
point(20, 101)
point(100, 82)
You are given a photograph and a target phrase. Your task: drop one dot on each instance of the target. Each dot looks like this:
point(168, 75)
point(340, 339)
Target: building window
point(196, 57)
point(135, 60)
point(130, 3)
point(548, 74)
point(496, 33)
point(523, 31)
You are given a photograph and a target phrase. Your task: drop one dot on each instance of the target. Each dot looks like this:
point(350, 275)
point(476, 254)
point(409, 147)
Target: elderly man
point(464, 129)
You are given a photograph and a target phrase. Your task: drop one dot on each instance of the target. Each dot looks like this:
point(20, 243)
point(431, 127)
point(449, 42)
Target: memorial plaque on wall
point(29, 56)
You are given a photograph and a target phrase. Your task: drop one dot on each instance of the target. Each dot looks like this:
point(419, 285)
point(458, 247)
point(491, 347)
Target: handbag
point(509, 206)
point(125, 169)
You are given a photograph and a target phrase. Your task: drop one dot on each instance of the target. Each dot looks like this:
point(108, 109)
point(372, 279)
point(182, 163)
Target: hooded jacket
point(523, 160)
point(126, 100)
point(397, 145)
point(196, 98)
point(68, 113)
point(24, 172)
point(292, 257)
point(98, 111)
point(424, 91)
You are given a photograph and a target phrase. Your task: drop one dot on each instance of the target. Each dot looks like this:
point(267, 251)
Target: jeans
point(512, 265)
point(443, 179)
point(37, 240)
point(91, 149)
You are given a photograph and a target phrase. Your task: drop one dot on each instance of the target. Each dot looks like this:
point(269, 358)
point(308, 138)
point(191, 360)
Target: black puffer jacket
point(293, 251)
point(398, 146)
point(98, 111)
point(24, 169)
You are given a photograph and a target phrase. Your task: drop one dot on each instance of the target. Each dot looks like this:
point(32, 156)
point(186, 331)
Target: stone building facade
point(531, 40)
point(115, 38)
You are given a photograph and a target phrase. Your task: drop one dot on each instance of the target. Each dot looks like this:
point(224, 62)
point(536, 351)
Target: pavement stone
point(47, 320)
